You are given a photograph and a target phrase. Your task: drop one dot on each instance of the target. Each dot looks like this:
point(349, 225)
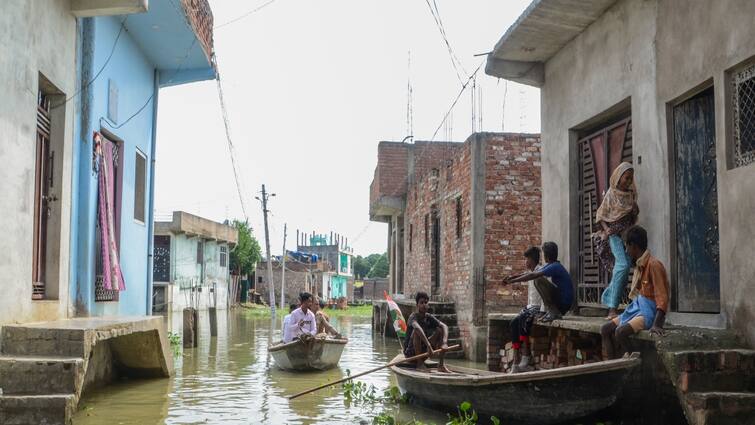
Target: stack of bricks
point(554, 348)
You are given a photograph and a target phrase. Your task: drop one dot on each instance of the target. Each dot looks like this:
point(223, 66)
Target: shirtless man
point(419, 326)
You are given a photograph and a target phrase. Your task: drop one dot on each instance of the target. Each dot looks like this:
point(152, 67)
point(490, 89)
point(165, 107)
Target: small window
point(743, 105)
point(140, 181)
point(200, 252)
point(259, 279)
point(458, 217)
point(411, 236)
point(427, 230)
point(223, 256)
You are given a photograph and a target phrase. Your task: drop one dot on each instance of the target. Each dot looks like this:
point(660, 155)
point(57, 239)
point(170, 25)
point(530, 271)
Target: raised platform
point(45, 367)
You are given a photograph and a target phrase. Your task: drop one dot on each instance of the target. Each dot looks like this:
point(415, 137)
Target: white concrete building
point(670, 86)
point(37, 82)
point(191, 263)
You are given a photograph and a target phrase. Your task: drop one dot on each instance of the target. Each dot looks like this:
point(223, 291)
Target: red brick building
point(460, 216)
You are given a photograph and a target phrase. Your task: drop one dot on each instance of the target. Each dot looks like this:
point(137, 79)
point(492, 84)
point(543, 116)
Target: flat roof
point(544, 28)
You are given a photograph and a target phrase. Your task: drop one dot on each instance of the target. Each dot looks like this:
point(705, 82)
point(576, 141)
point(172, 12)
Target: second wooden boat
point(537, 397)
point(314, 354)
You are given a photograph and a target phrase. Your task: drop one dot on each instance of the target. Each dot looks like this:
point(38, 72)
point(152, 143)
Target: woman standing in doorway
point(616, 213)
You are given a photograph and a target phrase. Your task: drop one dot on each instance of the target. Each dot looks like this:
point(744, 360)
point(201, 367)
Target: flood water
point(230, 379)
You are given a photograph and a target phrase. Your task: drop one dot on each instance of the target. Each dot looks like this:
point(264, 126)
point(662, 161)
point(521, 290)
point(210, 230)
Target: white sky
point(311, 88)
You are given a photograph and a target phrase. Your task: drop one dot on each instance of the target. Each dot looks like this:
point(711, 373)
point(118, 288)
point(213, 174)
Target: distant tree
point(246, 254)
point(361, 267)
point(380, 267)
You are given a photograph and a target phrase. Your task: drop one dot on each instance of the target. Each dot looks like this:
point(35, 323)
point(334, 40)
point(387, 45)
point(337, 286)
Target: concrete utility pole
point(283, 270)
point(270, 284)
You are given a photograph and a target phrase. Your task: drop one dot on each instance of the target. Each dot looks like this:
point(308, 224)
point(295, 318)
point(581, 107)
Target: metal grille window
point(427, 230)
point(161, 259)
point(743, 106)
point(200, 252)
point(223, 256)
point(411, 236)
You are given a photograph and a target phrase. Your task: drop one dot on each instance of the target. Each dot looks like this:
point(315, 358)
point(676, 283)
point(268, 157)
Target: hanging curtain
point(111, 266)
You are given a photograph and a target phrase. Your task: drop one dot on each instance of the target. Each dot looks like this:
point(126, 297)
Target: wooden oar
point(410, 359)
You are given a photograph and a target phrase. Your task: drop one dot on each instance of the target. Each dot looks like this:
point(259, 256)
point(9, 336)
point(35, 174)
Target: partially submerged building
point(191, 263)
point(668, 85)
point(460, 217)
point(336, 258)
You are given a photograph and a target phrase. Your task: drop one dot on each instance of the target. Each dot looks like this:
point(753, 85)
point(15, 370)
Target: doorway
point(696, 205)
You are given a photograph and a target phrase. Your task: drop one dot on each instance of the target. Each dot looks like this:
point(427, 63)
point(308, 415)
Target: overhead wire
point(255, 10)
point(455, 62)
point(102, 68)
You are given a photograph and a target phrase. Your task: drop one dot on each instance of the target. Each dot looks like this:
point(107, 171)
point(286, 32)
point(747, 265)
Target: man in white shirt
point(301, 321)
point(291, 308)
point(522, 324)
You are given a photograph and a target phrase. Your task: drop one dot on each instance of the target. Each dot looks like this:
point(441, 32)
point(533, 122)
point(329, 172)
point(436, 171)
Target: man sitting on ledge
point(649, 293)
point(552, 282)
point(419, 326)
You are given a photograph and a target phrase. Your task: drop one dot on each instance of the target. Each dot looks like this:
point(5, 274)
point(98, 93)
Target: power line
point(463, 87)
point(455, 62)
point(231, 149)
point(257, 9)
point(102, 68)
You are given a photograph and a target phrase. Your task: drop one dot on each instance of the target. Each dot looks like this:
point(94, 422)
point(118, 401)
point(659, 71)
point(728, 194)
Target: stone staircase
point(715, 387)
point(45, 367)
point(445, 311)
point(41, 375)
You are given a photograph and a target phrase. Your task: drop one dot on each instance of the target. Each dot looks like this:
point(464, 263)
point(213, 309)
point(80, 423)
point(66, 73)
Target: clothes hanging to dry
point(111, 266)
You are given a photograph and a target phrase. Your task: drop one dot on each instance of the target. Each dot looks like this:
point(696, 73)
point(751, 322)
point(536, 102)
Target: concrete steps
point(22, 340)
point(49, 409)
point(20, 375)
point(715, 386)
point(720, 408)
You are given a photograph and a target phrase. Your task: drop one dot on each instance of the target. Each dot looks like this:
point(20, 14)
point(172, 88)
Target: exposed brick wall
point(199, 15)
point(391, 170)
point(512, 221)
point(295, 281)
point(512, 215)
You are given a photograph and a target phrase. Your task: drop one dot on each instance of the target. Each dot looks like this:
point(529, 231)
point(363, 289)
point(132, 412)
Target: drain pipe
point(151, 203)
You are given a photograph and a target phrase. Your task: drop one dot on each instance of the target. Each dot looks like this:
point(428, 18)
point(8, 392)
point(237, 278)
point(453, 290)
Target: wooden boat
point(539, 397)
point(315, 354)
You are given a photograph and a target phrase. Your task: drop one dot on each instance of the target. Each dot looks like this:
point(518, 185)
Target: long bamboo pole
point(410, 359)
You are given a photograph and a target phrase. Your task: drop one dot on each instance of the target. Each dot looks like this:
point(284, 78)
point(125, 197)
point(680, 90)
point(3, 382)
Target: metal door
point(697, 256)
point(43, 196)
point(599, 154)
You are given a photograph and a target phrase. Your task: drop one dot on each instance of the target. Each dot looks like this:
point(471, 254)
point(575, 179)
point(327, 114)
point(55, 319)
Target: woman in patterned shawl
point(616, 213)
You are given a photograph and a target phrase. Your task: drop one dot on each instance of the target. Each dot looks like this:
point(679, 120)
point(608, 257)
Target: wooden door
point(697, 255)
point(599, 154)
point(43, 197)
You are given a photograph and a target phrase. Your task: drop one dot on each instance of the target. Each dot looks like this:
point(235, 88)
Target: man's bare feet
point(443, 368)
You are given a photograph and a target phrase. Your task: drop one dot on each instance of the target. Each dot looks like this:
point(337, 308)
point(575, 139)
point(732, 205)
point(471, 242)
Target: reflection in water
point(231, 379)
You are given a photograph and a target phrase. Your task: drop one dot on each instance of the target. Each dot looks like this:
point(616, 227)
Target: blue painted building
point(124, 59)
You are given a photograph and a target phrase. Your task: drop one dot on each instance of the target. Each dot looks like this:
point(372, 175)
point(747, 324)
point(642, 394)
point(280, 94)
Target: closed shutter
point(600, 153)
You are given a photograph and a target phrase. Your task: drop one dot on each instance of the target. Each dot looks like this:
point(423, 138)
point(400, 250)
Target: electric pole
point(270, 284)
point(283, 270)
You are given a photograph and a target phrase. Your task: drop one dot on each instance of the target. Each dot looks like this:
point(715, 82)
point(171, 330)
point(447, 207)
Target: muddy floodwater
point(231, 379)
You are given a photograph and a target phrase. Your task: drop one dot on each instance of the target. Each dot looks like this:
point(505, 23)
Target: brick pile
point(554, 348)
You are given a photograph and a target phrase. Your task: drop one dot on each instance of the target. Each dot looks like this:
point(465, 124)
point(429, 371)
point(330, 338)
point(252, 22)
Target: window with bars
point(200, 252)
point(223, 256)
point(743, 108)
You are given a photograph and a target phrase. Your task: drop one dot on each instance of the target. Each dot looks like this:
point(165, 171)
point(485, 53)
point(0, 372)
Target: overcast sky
point(312, 86)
